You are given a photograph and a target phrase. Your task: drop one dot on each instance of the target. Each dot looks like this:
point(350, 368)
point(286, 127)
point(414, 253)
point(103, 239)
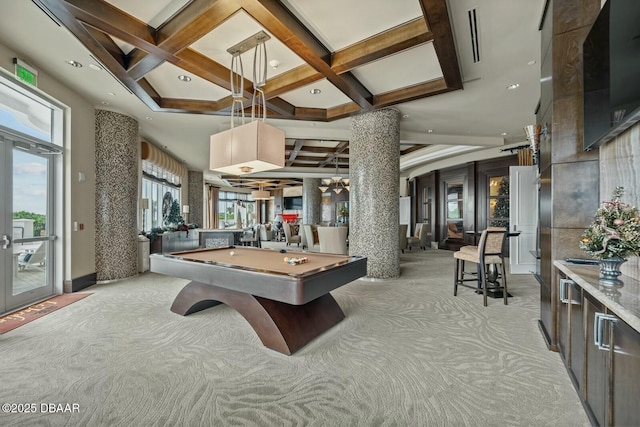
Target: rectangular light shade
point(252, 147)
point(260, 195)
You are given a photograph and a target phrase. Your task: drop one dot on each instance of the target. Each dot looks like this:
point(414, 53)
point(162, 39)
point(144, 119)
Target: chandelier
point(335, 183)
point(255, 146)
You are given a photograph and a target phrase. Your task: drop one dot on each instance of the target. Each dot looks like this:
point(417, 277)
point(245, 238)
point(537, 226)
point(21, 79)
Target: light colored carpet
point(409, 353)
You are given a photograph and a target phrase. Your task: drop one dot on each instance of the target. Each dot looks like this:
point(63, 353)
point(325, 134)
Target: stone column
point(196, 198)
point(374, 171)
point(116, 196)
point(311, 200)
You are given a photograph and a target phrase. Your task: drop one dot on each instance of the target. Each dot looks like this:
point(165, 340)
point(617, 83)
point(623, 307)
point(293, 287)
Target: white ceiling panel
point(339, 23)
point(236, 29)
point(164, 80)
point(329, 96)
point(404, 69)
point(154, 13)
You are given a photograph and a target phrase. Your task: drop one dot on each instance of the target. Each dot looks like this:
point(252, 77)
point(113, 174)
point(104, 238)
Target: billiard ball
point(286, 259)
point(283, 251)
point(232, 253)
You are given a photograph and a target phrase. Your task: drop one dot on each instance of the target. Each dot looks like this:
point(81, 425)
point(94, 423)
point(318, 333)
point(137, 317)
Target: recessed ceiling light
point(184, 78)
point(531, 62)
point(148, 118)
point(274, 63)
point(315, 91)
point(513, 86)
point(504, 133)
point(112, 93)
point(95, 67)
point(405, 116)
point(73, 63)
point(104, 103)
point(429, 130)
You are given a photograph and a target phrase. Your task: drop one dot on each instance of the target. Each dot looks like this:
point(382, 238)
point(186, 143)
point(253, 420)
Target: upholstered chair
point(333, 240)
point(402, 242)
point(311, 232)
point(420, 238)
point(291, 238)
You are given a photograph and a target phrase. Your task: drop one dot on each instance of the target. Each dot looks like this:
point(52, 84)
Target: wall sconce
point(533, 133)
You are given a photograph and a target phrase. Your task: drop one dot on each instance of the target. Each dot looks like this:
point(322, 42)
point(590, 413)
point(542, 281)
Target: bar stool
point(489, 251)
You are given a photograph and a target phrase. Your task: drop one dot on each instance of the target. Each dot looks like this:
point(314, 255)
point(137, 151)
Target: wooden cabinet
point(596, 366)
point(625, 360)
point(601, 353)
point(175, 241)
point(570, 332)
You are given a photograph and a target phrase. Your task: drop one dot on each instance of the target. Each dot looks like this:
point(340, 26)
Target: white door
point(405, 212)
point(30, 162)
point(523, 217)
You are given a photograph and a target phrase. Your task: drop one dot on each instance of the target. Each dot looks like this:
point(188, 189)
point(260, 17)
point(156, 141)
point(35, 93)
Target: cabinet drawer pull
point(598, 330)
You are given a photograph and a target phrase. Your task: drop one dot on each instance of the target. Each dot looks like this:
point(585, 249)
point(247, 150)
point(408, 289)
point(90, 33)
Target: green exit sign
point(26, 73)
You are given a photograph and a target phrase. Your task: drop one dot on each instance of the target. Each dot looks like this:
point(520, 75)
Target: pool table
point(286, 305)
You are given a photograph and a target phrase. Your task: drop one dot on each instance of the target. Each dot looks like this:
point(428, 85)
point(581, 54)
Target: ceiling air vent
point(473, 29)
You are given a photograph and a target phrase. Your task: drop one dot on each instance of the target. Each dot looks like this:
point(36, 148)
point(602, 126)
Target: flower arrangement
point(615, 232)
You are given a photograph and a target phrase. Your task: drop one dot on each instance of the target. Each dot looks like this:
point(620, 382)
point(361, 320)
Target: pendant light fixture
point(260, 194)
point(335, 183)
point(255, 146)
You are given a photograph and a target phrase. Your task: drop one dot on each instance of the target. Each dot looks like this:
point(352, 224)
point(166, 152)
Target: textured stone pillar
point(311, 200)
point(196, 198)
point(374, 171)
point(116, 196)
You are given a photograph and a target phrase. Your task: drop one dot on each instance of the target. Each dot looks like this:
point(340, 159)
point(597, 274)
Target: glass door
point(26, 216)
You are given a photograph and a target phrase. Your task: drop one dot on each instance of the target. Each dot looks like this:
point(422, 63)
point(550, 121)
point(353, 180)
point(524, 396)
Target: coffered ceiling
point(355, 55)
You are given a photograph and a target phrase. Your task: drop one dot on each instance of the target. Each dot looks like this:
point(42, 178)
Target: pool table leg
point(281, 327)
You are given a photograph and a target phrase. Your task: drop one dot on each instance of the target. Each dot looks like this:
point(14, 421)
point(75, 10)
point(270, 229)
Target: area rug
point(26, 315)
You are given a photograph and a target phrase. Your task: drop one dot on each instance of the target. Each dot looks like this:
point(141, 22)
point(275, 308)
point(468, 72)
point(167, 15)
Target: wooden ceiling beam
point(276, 19)
point(395, 40)
point(188, 26)
point(293, 79)
point(410, 93)
point(437, 16)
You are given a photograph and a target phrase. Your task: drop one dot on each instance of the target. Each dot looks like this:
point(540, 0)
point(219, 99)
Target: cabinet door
point(576, 335)
point(596, 387)
point(626, 375)
point(563, 319)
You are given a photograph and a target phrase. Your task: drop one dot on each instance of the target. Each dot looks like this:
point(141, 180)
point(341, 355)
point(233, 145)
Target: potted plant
point(613, 236)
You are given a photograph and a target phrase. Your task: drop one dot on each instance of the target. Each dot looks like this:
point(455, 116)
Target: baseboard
point(80, 283)
point(545, 336)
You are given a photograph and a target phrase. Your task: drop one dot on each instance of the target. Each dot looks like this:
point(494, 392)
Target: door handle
point(598, 330)
point(563, 290)
point(6, 241)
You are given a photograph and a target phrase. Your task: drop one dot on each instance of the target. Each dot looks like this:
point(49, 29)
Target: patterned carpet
point(409, 353)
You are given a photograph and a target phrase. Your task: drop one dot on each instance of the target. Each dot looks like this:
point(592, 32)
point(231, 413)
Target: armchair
point(420, 238)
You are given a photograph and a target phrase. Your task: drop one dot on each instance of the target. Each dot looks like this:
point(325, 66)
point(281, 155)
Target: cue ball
point(286, 259)
point(232, 253)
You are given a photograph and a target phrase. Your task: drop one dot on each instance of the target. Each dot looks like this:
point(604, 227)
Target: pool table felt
point(267, 260)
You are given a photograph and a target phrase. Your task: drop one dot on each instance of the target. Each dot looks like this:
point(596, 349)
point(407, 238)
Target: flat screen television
point(293, 202)
point(611, 65)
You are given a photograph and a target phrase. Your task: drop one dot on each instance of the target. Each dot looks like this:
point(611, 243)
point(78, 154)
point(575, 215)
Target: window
point(156, 183)
point(236, 210)
point(455, 204)
point(498, 201)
